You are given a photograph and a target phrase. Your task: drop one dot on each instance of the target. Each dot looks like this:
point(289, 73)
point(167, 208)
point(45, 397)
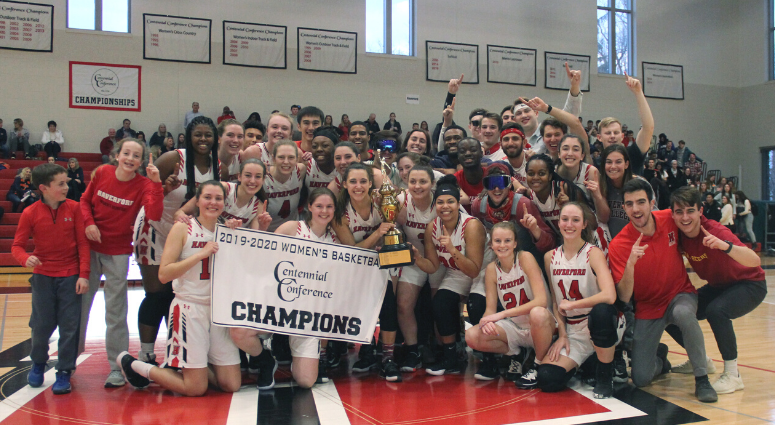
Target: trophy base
point(393, 256)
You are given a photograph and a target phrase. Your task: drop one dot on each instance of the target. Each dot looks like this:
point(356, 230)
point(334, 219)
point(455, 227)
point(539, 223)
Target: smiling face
point(232, 138)
point(202, 139)
point(611, 134)
point(552, 137)
point(507, 116)
point(322, 210)
point(210, 202)
point(307, 126)
point(571, 152)
point(488, 132)
point(527, 117)
point(360, 136)
point(451, 139)
point(417, 143)
point(688, 218)
point(285, 159)
point(130, 158)
point(512, 145)
point(498, 195)
point(447, 208)
point(405, 165)
point(475, 125)
point(56, 191)
point(252, 178)
point(419, 183)
point(504, 243)
point(357, 185)
point(252, 136)
point(571, 222)
point(343, 157)
point(469, 153)
point(322, 150)
point(638, 208)
point(279, 128)
point(615, 166)
point(538, 176)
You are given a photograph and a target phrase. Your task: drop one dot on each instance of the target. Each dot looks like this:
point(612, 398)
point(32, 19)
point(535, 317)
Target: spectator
point(190, 115)
point(727, 214)
point(710, 208)
point(141, 138)
point(158, 137)
point(227, 114)
point(21, 192)
point(507, 115)
point(125, 131)
point(728, 191)
point(294, 112)
point(690, 181)
point(446, 161)
point(590, 126)
point(415, 126)
point(52, 140)
point(682, 154)
point(745, 222)
point(3, 141)
point(106, 145)
point(254, 116)
point(344, 128)
point(75, 180)
point(328, 121)
point(675, 176)
point(181, 140)
point(254, 133)
point(666, 154)
point(662, 140)
point(169, 144)
point(694, 166)
point(19, 135)
point(424, 126)
point(649, 172)
point(393, 125)
point(295, 125)
point(373, 128)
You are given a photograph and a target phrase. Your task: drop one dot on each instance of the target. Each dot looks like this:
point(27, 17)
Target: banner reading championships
point(176, 39)
point(256, 45)
point(663, 81)
point(105, 86)
point(445, 61)
point(26, 26)
point(511, 65)
point(327, 51)
point(557, 78)
point(295, 286)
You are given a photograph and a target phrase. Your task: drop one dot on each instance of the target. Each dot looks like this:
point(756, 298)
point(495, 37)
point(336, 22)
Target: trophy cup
point(395, 252)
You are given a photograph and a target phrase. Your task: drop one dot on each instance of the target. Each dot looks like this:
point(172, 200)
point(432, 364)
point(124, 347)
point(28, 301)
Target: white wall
point(707, 37)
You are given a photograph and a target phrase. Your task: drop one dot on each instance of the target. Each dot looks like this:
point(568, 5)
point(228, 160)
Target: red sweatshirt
point(59, 237)
point(113, 206)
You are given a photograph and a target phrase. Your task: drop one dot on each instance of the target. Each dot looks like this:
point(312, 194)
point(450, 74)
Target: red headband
point(512, 130)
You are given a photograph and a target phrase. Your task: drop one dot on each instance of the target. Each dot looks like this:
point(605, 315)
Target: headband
point(520, 106)
point(514, 131)
point(505, 167)
point(329, 135)
point(447, 189)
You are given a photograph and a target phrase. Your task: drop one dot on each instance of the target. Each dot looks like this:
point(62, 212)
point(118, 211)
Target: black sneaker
point(138, 381)
point(412, 362)
point(253, 365)
point(662, 354)
point(281, 350)
point(322, 371)
point(446, 367)
point(390, 372)
point(13, 156)
point(487, 371)
point(267, 366)
point(604, 383)
point(333, 358)
point(528, 380)
point(620, 368)
point(244, 365)
point(704, 391)
point(515, 369)
point(367, 360)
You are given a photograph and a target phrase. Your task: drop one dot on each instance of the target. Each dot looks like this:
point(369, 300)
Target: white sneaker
point(687, 367)
point(115, 379)
point(727, 384)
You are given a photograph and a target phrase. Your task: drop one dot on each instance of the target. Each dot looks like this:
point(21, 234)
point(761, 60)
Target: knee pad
point(477, 304)
point(553, 378)
point(603, 320)
point(153, 309)
point(388, 314)
point(446, 312)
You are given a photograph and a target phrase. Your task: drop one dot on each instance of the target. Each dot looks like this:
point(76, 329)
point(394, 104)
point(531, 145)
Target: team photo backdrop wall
point(176, 39)
point(327, 51)
point(256, 45)
point(26, 26)
point(294, 286)
point(663, 81)
point(445, 61)
point(557, 78)
point(511, 65)
point(105, 86)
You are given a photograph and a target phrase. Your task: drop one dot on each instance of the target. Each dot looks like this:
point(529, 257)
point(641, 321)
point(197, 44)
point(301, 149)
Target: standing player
point(320, 167)
point(279, 127)
point(230, 137)
point(283, 184)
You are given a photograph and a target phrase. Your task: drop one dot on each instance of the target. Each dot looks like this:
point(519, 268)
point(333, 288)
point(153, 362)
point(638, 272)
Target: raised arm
point(643, 140)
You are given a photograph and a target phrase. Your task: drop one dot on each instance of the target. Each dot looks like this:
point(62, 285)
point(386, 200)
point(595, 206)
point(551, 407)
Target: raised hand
point(172, 183)
point(528, 221)
point(574, 76)
point(264, 219)
point(633, 84)
point(638, 251)
point(592, 186)
point(448, 113)
point(562, 197)
point(712, 241)
point(445, 240)
point(151, 171)
point(454, 84)
point(536, 104)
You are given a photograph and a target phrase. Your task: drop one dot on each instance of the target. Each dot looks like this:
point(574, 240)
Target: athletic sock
point(323, 353)
point(730, 367)
point(450, 352)
point(387, 352)
point(142, 368)
point(538, 363)
point(146, 347)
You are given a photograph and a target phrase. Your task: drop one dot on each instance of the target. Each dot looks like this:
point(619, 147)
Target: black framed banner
point(663, 81)
point(26, 26)
point(511, 65)
point(445, 61)
point(557, 78)
point(256, 45)
point(327, 51)
point(176, 39)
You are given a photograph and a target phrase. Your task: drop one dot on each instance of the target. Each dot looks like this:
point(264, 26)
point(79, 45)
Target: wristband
point(728, 250)
point(549, 109)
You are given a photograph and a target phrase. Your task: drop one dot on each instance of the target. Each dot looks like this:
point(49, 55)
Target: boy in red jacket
point(61, 272)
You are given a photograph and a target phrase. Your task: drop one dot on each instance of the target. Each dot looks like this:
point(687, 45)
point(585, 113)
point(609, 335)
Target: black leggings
point(388, 314)
point(446, 312)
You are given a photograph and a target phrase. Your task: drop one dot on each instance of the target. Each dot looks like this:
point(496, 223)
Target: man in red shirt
point(736, 282)
point(648, 268)
point(106, 145)
point(469, 154)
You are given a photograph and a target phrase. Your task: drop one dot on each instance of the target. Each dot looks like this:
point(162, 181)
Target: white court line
point(244, 406)
point(329, 405)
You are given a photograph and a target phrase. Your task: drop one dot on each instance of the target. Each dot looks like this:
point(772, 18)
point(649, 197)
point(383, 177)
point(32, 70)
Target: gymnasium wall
point(707, 37)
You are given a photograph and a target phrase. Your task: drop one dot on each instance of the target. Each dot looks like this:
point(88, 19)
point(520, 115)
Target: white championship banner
point(26, 26)
point(663, 81)
point(557, 78)
point(293, 286)
point(445, 61)
point(256, 45)
point(105, 86)
point(327, 51)
point(176, 39)
point(511, 65)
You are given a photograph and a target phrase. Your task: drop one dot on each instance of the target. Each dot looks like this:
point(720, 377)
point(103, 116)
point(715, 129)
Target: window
point(390, 27)
point(99, 15)
point(615, 51)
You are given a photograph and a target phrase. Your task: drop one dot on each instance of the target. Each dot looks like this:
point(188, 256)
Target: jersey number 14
point(573, 293)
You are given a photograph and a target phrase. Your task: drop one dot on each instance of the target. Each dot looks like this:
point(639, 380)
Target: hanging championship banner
point(557, 78)
point(293, 286)
point(26, 26)
point(327, 51)
point(445, 61)
point(256, 45)
point(511, 65)
point(663, 81)
point(176, 39)
point(105, 86)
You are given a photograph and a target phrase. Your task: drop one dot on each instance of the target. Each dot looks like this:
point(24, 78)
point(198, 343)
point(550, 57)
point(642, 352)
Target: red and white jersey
point(245, 213)
point(495, 153)
point(457, 238)
point(317, 178)
point(174, 200)
point(234, 166)
point(514, 290)
point(266, 155)
point(550, 210)
point(360, 227)
point(303, 231)
point(581, 177)
point(520, 173)
point(194, 285)
point(573, 279)
point(283, 203)
point(416, 222)
point(602, 238)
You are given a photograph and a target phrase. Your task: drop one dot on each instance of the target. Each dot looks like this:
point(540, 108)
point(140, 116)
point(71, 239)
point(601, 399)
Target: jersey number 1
point(205, 275)
point(573, 293)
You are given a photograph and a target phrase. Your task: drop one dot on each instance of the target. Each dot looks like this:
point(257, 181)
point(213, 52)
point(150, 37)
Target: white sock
point(730, 367)
point(146, 347)
point(537, 363)
point(142, 368)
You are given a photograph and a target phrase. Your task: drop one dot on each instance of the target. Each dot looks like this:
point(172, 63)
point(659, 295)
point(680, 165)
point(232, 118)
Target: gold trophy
point(395, 252)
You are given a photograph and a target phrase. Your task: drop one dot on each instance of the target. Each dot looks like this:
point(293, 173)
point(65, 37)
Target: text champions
point(295, 319)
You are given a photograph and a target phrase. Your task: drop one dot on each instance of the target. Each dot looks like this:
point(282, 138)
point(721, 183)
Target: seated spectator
point(328, 121)
point(181, 140)
point(126, 131)
point(666, 154)
point(4, 141)
point(694, 166)
point(19, 135)
point(21, 192)
point(415, 126)
point(446, 161)
point(51, 160)
point(675, 176)
point(106, 145)
point(158, 137)
point(169, 144)
point(682, 154)
point(254, 116)
point(141, 138)
point(424, 126)
point(227, 113)
point(710, 208)
point(52, 140)
point(689, 178)
point(75, 180)
point(155, 152)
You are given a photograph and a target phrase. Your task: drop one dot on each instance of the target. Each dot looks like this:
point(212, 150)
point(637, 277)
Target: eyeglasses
point(496, 182)
point(476, 123)
point(388, 145)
